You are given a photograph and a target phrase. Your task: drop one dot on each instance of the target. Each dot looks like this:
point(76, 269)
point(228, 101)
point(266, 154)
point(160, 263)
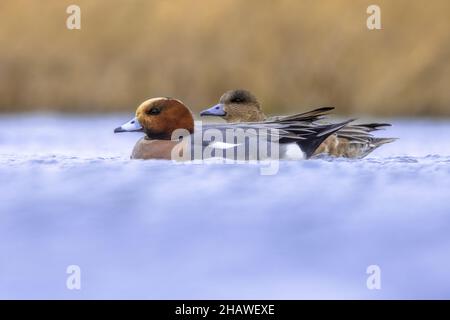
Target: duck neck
point(246, 115)
point(166, 135)
point(157, 136)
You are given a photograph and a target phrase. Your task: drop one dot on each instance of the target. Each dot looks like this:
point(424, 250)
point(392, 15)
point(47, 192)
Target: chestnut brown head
point(159, 118)
point(236, 106)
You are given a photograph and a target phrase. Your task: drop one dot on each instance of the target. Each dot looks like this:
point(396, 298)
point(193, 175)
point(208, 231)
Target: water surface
point(155, 229)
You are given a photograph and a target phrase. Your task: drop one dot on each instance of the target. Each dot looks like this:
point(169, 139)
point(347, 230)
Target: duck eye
point(154, 111)
point(236, 100)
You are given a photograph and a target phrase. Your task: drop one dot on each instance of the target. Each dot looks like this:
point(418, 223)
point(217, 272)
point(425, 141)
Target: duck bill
point(218, 111)
point(131, 126)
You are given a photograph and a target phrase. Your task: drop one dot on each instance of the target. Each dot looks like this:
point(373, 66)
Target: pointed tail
point(319, 133)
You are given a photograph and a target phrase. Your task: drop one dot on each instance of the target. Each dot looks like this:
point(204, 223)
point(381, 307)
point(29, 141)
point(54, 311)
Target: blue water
point(69, 195)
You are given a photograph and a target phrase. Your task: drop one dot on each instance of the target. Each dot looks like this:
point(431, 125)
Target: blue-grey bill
point(131, 126)
point(217, 110)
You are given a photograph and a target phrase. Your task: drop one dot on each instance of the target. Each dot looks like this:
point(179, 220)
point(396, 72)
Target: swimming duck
point(352, 141)
point(161, 119)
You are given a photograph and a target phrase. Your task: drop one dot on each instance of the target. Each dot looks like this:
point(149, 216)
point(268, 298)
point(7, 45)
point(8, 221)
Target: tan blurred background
point(292, 54)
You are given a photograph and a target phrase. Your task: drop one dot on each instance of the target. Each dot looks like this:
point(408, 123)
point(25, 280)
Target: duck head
point(236, 106)
point(159, 118)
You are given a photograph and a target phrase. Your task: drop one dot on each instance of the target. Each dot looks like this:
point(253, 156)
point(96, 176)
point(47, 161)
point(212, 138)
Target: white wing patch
point(291, 151)
point(222, 145)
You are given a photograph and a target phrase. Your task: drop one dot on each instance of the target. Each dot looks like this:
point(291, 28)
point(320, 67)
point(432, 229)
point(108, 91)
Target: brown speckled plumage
point(353, 141)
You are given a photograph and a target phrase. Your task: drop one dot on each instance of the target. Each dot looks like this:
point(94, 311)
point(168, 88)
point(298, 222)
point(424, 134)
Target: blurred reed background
point(293, 54)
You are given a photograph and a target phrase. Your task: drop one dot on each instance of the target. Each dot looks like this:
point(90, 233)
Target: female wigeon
point(165, 120)
point(352, 141)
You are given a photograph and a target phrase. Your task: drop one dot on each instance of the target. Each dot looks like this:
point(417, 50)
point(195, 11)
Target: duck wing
point(282, 130)
point(309, 116)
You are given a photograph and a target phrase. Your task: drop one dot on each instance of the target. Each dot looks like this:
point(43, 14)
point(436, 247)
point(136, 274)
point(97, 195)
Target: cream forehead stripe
point(153, 100)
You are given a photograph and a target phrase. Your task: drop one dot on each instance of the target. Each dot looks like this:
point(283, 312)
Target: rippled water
point(155, 229)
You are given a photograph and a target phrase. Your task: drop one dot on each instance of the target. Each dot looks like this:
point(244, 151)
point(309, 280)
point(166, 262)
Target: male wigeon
point(352, 141)
point(161, 119)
